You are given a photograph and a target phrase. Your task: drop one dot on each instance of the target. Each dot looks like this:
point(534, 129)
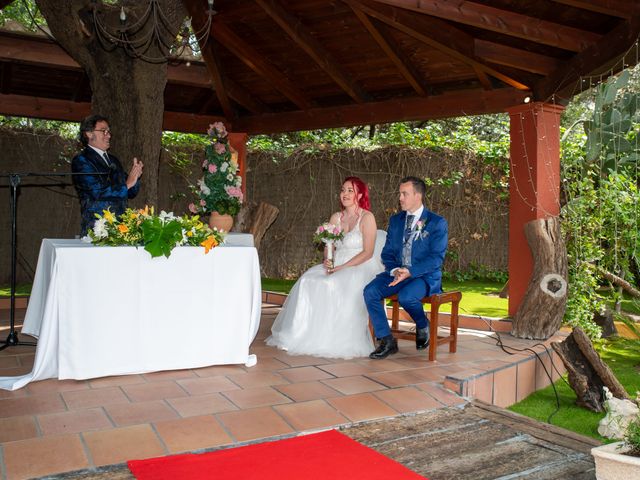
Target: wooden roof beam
point(616, 8)
point(514, 57)
point(53, 109)
point(38, 51)
point(466, 102)
point(258, 64)
point(299, 34)
point(4, 3)
point(439, 35)
point(501, 21)
point(384, 40)
point(564, 82)
point(209, 56)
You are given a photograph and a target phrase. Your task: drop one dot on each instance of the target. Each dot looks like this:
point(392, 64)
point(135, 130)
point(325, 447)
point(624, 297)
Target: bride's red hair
point(361, 189)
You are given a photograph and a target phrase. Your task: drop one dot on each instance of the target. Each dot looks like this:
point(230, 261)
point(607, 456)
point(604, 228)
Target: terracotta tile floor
point(70, 425)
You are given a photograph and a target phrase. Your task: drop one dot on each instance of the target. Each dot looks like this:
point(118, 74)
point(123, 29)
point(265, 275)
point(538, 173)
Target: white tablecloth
point(100, 311)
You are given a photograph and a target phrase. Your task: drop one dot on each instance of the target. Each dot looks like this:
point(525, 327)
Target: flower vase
point(221, 222)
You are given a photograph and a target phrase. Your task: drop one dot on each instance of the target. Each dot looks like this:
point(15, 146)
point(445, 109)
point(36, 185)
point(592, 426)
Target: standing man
point(110, 187)
point(412, 256)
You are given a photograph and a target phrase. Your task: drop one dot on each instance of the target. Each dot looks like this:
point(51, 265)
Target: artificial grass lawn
point(21, 290)
point(623, 357)
point(478, 297)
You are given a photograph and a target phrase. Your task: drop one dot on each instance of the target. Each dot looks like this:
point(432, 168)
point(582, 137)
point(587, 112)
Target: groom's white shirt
point(416, 216)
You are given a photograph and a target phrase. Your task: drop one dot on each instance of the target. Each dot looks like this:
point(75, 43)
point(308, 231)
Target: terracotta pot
point(221, 222)
point(613, 464)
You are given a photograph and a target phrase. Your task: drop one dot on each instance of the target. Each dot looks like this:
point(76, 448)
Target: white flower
point(203, 187)
point(230, 177)
point(166, 217)
point(100, 228)
point(233, 168)
point(238, 181)
point(224, 167)
point(86, 239)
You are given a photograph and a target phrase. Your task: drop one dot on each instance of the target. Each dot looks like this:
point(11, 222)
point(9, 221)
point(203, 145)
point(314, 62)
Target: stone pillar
point(534, 184)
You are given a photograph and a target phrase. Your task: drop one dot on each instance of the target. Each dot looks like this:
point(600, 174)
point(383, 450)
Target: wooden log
point(504, 293)
point(542, 308)
point(605, 321)
point(587, 373)
point(255, 219)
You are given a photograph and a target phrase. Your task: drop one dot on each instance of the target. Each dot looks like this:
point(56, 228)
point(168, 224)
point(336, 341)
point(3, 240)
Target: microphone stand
point(15, 179)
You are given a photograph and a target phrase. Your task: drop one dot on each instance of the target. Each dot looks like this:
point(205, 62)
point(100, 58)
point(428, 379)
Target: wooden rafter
point(515, 57)
point(384, 40)
point(299, 34)
point(501, 21)
point(467, 102)
point(437, 37)
point(484, 79)
point(617, 8)
point(613, 46)
point(54, 109)
point(38, 51)
point(5, 77)
point(258, 64)
point(210, 59)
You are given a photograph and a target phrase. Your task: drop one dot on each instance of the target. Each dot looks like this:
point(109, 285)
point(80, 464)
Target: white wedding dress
point(324, 314)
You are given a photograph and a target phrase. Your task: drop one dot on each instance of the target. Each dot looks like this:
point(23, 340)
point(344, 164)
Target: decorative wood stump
point(542, 308)
point(256, 219)
point(587, 372)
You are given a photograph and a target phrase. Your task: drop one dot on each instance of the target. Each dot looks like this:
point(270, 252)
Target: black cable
point(504, 348)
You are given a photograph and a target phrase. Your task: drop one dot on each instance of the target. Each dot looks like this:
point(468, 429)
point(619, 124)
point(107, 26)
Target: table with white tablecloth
point(101, 311)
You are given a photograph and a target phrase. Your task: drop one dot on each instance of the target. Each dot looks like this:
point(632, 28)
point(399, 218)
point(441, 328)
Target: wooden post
point(534, 184)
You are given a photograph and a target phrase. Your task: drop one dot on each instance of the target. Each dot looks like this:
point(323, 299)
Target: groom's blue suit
point(428, 244)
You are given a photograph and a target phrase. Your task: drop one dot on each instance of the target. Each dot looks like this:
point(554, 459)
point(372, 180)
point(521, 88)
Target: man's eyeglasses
point(105, 131)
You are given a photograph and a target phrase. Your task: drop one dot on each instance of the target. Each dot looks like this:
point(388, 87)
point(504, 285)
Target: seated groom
point(412, 257)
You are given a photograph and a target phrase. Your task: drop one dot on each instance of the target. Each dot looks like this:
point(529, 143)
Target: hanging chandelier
point(151, 37)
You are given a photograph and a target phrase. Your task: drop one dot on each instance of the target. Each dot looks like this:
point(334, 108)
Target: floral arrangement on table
point(328, 233)
point(158, 233)
point(219, 189)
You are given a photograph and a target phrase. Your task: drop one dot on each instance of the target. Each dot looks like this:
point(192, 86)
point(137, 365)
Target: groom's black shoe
point(422, 338)
point(387, 346)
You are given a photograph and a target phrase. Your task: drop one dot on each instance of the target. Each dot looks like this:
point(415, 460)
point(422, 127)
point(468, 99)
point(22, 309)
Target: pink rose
point(202, 203)
point(212, 168)
point(219, 126)
point(320, 229)
point(220, 148)
point(192, 208)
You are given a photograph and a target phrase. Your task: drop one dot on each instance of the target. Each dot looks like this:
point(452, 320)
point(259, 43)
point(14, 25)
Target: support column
point(534, 184)
point(238, 142)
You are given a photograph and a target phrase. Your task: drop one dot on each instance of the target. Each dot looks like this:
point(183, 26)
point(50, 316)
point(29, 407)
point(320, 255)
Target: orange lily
point(209, 243)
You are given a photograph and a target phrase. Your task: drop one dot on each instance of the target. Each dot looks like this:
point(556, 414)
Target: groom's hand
point(399, 275)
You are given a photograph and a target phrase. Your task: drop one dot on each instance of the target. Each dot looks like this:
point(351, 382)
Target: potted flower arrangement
point(618, 460)
point(219, 190)
point(159, 234)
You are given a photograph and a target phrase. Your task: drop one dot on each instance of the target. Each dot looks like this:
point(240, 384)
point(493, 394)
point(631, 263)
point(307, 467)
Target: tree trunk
point(129, 91)
point(587, 372)
point(256, 219)
point(542, 308)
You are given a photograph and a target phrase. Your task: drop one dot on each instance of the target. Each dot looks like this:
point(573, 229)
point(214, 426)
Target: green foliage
point(66, 130)
point(486, 135)
point(632, 437)
point(601, 210)
point(219, 188)
point(160, 237)
point(24, 12)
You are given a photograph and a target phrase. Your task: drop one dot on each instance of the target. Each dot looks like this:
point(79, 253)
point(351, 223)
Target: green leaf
point(160, 238)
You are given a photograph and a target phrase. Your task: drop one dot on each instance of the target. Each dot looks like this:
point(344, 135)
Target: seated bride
point(325, 314)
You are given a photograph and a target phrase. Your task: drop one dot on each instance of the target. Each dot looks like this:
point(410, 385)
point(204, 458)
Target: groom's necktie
point(407, 227)
point(105, 157)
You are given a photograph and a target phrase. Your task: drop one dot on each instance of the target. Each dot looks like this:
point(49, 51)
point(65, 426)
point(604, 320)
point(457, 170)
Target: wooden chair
point(434, 301)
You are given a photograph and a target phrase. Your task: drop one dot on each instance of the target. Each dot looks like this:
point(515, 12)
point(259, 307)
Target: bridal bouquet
point(328, 233)
point(159, 234)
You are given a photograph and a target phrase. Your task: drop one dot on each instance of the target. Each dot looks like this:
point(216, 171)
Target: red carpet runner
point(321, 456)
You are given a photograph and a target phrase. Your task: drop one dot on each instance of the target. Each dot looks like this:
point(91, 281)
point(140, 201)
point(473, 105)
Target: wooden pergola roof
point(277, 65)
